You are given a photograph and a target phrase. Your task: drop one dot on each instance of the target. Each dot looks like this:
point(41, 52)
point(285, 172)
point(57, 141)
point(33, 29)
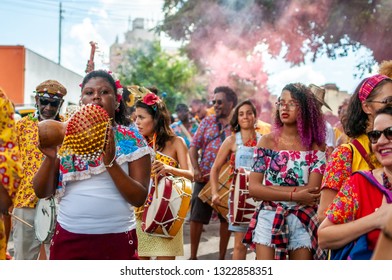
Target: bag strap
point(373, 181)
point(221, 135)
point(363, 152)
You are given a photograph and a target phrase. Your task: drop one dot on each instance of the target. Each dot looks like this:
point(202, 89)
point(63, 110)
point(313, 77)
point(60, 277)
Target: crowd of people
point(312, 190)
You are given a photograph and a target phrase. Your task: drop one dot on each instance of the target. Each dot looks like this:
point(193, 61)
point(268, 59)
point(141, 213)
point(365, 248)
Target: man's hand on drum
point(160, 168)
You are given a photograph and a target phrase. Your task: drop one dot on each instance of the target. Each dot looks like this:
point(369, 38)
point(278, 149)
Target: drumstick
point(20, 220)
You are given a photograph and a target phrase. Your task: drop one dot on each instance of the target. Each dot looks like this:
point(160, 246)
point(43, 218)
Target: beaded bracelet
point(387, 234)
point(111, 163)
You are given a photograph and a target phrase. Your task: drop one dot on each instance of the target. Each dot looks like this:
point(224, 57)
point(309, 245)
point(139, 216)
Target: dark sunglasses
point(376, 134)
point(45, 101)
point(219, 102)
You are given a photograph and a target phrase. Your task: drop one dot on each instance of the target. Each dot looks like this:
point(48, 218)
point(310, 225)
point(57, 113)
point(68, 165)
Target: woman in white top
point(95, 216)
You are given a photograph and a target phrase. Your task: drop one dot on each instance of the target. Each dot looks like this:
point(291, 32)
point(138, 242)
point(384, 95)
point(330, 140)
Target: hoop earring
point(237, 127)
point(80, 103)
point(255, 125)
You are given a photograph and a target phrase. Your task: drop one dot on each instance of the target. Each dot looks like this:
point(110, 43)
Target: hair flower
point(118, 84)
point(150, 99)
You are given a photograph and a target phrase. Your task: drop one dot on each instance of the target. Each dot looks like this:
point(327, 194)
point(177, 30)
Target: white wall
point(39, 69)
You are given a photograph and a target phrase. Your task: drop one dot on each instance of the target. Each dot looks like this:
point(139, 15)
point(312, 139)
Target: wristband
point(111, 163)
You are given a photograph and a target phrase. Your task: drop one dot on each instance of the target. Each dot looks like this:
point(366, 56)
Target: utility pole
point(60, 20)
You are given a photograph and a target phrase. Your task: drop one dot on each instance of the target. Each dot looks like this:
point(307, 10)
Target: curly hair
point(356, 121)
point(234, 119)
point(161, 118)
point(121, 116)
point(310, 121)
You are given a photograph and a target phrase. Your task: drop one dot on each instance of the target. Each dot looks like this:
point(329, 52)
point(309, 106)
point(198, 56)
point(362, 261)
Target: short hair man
point(208, 138)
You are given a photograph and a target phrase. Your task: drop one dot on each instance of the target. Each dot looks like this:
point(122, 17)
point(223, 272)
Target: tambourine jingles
point(83, 135)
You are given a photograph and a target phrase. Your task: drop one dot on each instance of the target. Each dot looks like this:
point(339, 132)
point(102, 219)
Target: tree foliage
point(298, 27)
point(173, 74)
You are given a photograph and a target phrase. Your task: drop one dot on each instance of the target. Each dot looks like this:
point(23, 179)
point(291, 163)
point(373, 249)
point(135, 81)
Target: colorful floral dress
point(344, 160)
point(10, 166)
point(287, 168)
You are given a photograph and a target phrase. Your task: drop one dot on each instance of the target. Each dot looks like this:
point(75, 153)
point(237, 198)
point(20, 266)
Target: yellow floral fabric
point(10, 168)
point(151, 246)
point(263, 127)
point(32, 157)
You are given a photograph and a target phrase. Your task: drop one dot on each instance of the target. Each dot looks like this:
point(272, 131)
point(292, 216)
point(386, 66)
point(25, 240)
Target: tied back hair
point(120, 117)
point(310, 121)
point(161, 118)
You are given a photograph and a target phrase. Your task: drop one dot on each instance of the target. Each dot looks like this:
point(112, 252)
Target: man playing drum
point(48, 98)
point(208, 138)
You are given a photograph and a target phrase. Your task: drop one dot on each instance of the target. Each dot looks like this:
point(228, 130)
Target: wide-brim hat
point(51, 88)
point(319, 93)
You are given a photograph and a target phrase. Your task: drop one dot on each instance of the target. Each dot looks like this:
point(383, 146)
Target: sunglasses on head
point(45, 101)
point(376, 134)
point(219, 102)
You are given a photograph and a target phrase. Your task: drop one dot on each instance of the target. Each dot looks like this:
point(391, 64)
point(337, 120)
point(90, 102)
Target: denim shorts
point(298, 235)
point(239, 228)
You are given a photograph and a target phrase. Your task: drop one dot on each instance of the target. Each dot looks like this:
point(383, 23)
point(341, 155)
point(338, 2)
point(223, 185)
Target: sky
point(35, 25)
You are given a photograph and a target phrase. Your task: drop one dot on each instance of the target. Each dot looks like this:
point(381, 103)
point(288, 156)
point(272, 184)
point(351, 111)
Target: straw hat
point(319, 93)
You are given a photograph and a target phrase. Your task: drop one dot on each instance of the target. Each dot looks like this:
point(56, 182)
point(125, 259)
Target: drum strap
point(221, 134)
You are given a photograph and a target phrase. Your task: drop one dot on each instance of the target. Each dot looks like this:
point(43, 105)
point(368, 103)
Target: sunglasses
point(219, 102)
point(45, 101)
point(376, 134)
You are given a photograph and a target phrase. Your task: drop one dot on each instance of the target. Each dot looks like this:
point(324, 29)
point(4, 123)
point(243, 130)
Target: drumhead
point(44, 220)
point(159, 201)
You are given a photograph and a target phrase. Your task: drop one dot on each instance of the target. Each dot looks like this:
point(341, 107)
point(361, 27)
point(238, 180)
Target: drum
point(45, 219)
point(167, 206)
point(223, 190)
point(241, 205)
